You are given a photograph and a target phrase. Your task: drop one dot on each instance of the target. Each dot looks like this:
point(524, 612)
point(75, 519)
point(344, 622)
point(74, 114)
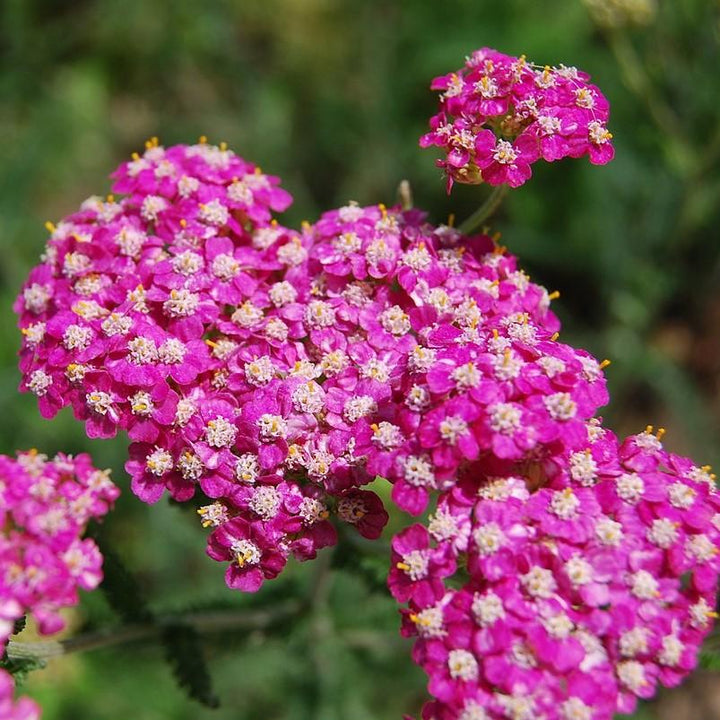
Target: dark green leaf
point(184, 653)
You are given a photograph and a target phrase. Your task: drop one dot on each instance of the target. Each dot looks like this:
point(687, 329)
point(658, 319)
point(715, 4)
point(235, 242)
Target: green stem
point(484, 211)
point(202, 622)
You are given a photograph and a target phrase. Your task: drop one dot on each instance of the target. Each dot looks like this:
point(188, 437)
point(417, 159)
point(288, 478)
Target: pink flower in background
point(499, 114)
point(45, 506)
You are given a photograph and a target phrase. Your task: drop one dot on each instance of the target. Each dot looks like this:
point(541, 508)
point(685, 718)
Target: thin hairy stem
point(202, 622)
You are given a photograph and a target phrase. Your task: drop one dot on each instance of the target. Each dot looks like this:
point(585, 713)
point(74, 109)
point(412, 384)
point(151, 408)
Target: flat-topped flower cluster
point(45, 506)
point(563, 588)
point(276, 373)
point(500, 114)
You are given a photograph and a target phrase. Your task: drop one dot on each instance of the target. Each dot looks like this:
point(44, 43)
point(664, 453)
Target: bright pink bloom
point(499, 114)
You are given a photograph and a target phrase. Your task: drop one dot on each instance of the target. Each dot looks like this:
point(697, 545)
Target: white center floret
point(181, 303)
point(452, 428)
point(505, 418)
point(272, 426)
point(632, 675)
point(583, 469)
point(265, 502)
point(414, 564)
point(644, 586)
point(487, 609)
point(246, 552)
point(634, 642)
point(159, 462)
point(489, 538)
point(466, 376)
point(359, 407)
point(630, 487)
point(564, 504)
point(609, 532)
point(579, 571)
point(39, 382)
point(539, 582)
point(247, 468)
point(663, 533)
point(681, 496)
point(418, 471)
point(561, 406)
point(462, 665)
point(220, 432)
point(395, 321)
point(575, 709)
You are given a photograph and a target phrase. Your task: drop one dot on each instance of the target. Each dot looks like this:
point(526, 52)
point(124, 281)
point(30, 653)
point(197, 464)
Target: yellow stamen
point(49, 226)
point(451, 220)
point(554, 295)
point(649, 429)
point(202, 139)
point(223, 146)
point(554, 336)
point(402, 566)
point(135, 156)
point(605, 363)
point(211, 344)
point(660, 433)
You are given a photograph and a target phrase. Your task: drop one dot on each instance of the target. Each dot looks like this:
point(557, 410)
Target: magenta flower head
point(500, 114)
point(279, 372)
point(590, 578)
point(45, 506)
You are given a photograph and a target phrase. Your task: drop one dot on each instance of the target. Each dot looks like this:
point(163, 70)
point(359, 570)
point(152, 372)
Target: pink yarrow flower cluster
point(500, 114)
point(277, 373)
point(45, 506)
point(188, 317)
point(591, 578)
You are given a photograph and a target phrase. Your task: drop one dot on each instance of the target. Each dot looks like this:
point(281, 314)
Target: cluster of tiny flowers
point(280, 372)
point(188, 317)
point(276, 373)
point(499, 114)
point(45, 506)
point(588, 578)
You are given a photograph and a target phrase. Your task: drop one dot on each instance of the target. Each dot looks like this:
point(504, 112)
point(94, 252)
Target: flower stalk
point(485, 211)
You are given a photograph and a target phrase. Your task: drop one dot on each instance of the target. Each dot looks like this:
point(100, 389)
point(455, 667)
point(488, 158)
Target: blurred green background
point(332, 96)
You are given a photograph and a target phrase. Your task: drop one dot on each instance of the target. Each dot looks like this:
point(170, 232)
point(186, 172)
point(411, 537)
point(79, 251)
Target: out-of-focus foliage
point(332, 95)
